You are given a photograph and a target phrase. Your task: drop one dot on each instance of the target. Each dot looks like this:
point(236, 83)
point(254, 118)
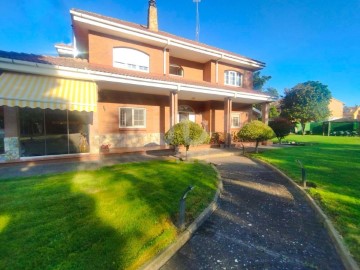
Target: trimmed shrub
point(281, 127)
point(186, 133)
point(256, 131)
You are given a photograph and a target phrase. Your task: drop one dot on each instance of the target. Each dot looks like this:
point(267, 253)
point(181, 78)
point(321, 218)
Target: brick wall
point(101, 51)
point(247, 75)
point(192, 70)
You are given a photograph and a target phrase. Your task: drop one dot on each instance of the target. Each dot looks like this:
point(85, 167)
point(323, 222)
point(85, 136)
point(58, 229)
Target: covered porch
point(159, 108)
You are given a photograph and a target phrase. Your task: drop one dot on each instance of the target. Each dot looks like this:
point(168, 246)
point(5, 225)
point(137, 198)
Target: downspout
point(164, 54)
point(217, 68)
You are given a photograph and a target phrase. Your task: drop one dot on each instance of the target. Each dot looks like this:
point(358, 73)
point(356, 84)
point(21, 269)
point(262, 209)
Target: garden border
point(342, 250)
point(185, 236)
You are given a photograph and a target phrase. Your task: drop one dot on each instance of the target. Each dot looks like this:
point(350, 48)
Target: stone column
point(12, 133)
point(227, 120)
point(173, 108)
point(265, 112)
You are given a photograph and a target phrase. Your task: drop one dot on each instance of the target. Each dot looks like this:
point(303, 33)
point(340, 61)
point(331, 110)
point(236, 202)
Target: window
point(53, 132)
point(186, 113)
point(176, 70)
point(235, 120)
point(130, 59)
point(2, 130)
point(132, 117)
point(233, 78)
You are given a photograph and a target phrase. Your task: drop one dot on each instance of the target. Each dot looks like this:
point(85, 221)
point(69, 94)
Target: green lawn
point(333, 164)
point(113, 218)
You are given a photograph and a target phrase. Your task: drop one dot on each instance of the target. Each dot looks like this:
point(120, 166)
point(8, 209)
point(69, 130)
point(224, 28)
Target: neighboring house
point(336, 108)
point(124, 86)
point(352, 112)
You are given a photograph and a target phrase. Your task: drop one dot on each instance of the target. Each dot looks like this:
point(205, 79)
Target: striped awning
point(45, 92)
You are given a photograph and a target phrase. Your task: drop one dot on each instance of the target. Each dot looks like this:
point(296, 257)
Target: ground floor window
point(2, 130)
point(132, 117)
point(235, 120)
point(53, 132)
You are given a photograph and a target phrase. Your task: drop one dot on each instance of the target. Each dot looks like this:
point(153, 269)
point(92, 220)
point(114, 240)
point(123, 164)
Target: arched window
point(130, 59)
point(176, 70)
point(233, 78)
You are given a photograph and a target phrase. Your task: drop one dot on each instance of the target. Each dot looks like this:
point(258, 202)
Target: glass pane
point(122, 118)
point(125, 117)
point(139, 117)
point(78, 131)
point(128, 117)
point(32, 132)
point(226, 77)
point(235, 121)
point(2, 130)
point(232, 78)
point(56, 132)
point(237, 79)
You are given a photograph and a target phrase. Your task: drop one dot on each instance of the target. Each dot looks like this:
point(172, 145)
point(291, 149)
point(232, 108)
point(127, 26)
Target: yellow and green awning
point(46, 92)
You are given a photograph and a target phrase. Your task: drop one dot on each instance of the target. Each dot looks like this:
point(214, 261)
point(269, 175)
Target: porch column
point(265, 113)
point(12, 133)
point(173, 108)
point(94, 143)
point(227, 120)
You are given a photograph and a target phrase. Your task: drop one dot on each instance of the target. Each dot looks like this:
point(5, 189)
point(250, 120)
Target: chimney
point(152, 16)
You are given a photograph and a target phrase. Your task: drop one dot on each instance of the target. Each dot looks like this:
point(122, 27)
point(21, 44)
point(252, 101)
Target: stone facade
point(12, 149)
point(132, 140)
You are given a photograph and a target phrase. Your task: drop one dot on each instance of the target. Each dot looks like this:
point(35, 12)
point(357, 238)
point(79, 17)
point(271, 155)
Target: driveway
point(262, 223)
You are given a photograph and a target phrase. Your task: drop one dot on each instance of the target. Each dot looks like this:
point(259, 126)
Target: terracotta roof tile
point(83, 64)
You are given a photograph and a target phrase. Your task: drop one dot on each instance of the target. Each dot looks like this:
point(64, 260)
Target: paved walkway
point(65, 165)
point(262, 223)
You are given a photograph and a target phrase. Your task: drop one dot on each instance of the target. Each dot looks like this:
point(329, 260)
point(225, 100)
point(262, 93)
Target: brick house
point(120, 84)
point(336, 108)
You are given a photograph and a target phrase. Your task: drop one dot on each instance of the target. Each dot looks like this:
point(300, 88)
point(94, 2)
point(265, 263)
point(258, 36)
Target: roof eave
point(164, 41)
point(15, 65)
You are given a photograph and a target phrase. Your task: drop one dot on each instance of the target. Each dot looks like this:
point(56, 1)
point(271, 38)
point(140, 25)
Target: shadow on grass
point(117, 217)
point(49, 226)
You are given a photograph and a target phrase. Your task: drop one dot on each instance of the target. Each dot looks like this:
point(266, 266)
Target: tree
point(273, 112)
point(271, 91)
point(186, 133)
point(256, 131)
point(259, 80)
point(281, 127)
point(306, 102)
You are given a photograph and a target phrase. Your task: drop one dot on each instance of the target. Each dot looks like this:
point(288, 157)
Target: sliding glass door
point(53, 132)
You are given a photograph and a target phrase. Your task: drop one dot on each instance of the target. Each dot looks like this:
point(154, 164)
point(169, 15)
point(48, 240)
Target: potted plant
point(105, 147)
point(218, 138)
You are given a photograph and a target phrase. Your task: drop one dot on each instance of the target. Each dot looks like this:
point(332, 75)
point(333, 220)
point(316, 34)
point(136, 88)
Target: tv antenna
point(197, 30)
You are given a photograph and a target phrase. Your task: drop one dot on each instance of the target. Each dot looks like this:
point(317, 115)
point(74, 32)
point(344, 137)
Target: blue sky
point(299, 40)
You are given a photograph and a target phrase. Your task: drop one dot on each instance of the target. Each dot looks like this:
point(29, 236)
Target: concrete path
point(262, 223)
